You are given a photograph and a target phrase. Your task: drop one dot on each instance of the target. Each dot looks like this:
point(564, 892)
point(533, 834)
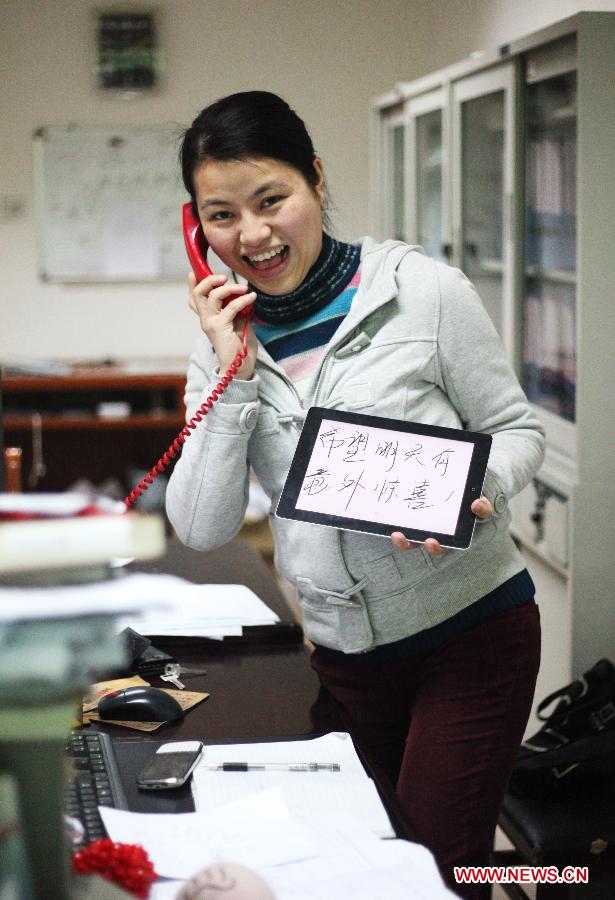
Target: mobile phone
point(170, 766)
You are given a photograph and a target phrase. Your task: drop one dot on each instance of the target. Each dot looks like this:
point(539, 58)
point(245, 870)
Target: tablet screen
point(365, 473)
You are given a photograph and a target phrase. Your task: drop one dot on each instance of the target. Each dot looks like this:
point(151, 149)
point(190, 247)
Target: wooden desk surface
point(257, 691)
point(264, 690)
point(259, 694)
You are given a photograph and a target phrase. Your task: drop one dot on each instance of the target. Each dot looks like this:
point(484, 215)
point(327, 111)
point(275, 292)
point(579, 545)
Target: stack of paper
point(116, 596)
point(351, 863)
point(305, 793)
point(256, 832)
point(329, 854)
point(207, 610)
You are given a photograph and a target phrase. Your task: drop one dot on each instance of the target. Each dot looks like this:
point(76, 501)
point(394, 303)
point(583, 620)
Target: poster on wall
point(127, 51)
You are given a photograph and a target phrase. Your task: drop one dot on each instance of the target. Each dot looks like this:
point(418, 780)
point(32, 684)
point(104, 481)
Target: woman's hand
point(481, 508)
point(222, 323)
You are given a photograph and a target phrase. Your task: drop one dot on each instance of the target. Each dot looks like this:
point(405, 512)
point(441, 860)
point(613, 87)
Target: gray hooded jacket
point(416, 345)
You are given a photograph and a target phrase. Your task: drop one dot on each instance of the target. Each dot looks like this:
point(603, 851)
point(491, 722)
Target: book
point(38, 543)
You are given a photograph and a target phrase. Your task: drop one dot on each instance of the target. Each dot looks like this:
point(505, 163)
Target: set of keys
point(172, 671)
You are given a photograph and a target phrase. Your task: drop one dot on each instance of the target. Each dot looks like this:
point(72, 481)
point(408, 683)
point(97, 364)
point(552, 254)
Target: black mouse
point(140, 704)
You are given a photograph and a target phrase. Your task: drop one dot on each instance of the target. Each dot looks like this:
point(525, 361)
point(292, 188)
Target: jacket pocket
point(359, 394)
point(337, 620)
point(356, 394)
point(385, 574)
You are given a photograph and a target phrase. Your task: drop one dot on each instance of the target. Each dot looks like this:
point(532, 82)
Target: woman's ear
point(319, 184)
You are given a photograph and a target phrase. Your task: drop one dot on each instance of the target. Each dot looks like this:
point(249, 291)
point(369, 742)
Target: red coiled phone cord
point(175, 448)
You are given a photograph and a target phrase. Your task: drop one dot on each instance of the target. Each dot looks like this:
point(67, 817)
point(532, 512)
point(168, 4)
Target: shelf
point(491, 266)
point(553, 118)
point(67, 430)
point(558, 276)
point(94, 423)
point(91, 380)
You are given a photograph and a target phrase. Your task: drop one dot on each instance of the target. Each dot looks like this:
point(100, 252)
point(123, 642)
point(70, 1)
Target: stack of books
point(46, 532)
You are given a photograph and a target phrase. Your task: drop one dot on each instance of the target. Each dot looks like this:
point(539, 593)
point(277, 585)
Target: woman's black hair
point(247, 124)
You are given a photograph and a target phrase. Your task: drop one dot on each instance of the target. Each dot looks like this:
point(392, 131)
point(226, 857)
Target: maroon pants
point(444, 727)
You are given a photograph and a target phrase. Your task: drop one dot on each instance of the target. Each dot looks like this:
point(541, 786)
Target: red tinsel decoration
point(125, 864)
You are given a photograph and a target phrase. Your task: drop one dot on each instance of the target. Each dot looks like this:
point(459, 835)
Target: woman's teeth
point(268, 254)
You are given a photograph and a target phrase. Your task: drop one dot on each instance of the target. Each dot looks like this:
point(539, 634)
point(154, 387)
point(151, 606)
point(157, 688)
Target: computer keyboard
point(95, 781)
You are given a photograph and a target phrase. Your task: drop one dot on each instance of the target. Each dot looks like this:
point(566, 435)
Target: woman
point(433, 653)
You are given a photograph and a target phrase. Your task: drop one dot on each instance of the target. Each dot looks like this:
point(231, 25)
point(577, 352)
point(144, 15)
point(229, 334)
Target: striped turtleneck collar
point(335, 266)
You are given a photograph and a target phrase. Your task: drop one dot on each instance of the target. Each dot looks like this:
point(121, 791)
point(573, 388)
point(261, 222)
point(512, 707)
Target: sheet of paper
point(165, 889)
point(208, 610)
point(130, 237)
point(308, 793)
point(394, 884)
point(350, 864)
point(350, 860)
point(336, 746)
point(344, 846)
point(118, 596)
point(304, 794)
point(69, 503)
point(256, 831)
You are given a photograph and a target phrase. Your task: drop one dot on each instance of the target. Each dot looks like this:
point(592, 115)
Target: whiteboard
point(108, 203)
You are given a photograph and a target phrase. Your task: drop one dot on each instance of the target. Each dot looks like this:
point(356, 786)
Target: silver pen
point(271, 767)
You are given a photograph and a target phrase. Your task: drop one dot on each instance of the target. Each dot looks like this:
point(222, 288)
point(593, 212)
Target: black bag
point(575, 748)
point(144, 658)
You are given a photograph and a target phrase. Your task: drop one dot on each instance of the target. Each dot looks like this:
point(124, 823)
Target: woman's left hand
point(481, 508)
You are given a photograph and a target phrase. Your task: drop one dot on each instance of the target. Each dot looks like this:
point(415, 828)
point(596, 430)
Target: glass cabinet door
point(549, 321)
point(397, 146)
point(482, 196)
point(428, 149)
point(392, 177)
point(427, 207)
point(482, 192)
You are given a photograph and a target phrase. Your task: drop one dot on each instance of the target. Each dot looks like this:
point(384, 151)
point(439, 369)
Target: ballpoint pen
point(273, 767)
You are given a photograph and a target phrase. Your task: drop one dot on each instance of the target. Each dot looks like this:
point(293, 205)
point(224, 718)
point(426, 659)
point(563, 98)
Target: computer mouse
point(140, 704)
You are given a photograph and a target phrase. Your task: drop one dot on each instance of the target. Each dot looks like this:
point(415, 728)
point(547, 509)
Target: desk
point(259, 690)
point(260, 687)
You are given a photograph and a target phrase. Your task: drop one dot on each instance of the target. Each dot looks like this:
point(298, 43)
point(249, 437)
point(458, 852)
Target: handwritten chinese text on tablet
point(365, 473)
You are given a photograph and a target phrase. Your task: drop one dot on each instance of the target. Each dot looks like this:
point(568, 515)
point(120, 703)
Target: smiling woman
point(433, 658)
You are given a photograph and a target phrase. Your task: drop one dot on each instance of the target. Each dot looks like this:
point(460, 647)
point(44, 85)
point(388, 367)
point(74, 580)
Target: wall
point(327, 59)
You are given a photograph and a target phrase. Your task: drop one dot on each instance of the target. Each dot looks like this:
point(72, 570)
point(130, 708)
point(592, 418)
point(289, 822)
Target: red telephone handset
point(196, 247)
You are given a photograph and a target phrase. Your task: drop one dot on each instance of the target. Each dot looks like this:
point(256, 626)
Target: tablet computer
point(377, 475)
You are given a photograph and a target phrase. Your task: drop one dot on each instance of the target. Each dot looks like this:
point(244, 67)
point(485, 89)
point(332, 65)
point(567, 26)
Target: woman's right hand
point(218, 304)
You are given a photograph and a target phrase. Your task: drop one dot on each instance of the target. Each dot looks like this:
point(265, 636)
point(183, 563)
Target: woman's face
point(262, 218)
